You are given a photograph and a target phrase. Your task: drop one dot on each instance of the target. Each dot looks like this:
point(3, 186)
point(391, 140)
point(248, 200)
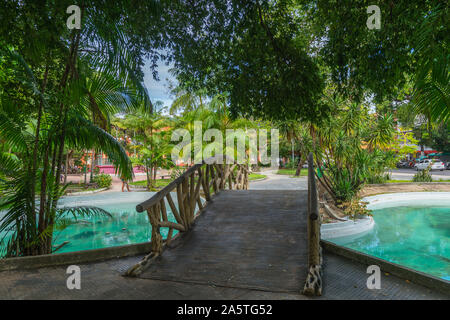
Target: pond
point(125, 226)
point(411, 229)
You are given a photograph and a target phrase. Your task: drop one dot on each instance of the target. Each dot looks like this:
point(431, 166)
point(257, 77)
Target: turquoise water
point(417, 237)
point(126, 226)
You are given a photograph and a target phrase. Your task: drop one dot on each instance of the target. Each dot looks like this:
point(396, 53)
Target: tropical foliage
point(308, 67)
point(353, 148)
point(58, 90)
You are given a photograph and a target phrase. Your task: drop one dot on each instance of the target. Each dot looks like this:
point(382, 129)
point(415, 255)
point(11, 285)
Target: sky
point(158, 90)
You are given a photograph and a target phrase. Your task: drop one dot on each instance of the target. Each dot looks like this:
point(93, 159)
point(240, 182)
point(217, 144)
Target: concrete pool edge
point(398, 199)
point(87, 256)
point(400, 271)
point(75, 257)
point(346, 228)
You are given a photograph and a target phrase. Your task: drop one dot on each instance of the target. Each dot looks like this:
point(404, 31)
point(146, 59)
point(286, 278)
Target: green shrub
point(423, 176)
point(290, 165)
point(355, 208)
point(378, 178)
point(103, 180)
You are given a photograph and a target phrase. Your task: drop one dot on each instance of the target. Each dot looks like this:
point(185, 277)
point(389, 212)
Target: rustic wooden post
point(205, 184)
point(313, 284)
point(153, 215)
point(180, 201)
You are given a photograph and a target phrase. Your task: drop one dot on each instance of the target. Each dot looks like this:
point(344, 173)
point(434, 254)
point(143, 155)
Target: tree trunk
point(36, 141)
point(91, 177)
point(69, 154)
point(301, 162)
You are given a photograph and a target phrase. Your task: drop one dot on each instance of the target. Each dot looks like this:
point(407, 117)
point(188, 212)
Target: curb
point(400, 271)
point(262, 179)
point(75, 257)
point(406, 183)
point(86, 192)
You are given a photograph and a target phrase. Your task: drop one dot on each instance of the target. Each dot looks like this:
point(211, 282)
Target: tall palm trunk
point(49, 199)
point(91, 177)
point(36, 142)
point(301, 162)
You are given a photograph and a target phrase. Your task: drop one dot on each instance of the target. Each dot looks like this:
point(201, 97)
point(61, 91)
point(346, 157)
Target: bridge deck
point(243, 239)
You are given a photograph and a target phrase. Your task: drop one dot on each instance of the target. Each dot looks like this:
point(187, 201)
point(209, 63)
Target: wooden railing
point(313, 284)
point(200, 180)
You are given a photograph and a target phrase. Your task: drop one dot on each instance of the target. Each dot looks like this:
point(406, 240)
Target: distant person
point(125, 183)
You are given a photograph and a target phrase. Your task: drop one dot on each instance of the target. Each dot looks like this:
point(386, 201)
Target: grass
point(157, 184)
point(291, 172)
point(161, 183)
point(78, 187)
point(256, 176)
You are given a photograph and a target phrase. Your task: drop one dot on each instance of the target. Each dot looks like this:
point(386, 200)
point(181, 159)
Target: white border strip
point(425, 199)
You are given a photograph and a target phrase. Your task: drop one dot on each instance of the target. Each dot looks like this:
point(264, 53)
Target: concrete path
point(279, 182)
point(342, 278)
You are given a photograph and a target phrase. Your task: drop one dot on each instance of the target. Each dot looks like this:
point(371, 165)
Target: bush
point(423, 176)
point(355, 208)
point(291, 165)
point(103, 180)
point(343, 184)
point(378, 178)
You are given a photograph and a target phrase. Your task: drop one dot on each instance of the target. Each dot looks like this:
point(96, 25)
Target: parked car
point(402, 164)
point(434, 164)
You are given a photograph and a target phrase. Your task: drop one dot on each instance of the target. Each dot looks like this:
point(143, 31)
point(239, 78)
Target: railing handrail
point(163, 192)
point(141, 207)
point(211, 179)
point(313, 207)
point(313, 283)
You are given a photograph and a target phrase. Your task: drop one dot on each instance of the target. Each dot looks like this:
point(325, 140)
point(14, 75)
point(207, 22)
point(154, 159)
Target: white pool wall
point(403, 199)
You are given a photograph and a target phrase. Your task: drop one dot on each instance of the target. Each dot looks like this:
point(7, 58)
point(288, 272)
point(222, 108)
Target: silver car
point(434, 164)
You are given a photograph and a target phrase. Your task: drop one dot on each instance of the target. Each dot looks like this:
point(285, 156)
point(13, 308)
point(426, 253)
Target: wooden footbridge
point(233, 243)
point(263, 240)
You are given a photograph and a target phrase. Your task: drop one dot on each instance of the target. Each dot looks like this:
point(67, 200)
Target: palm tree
point(187, 101)
point(87, 76)
point(431, 96)
point(152, 137)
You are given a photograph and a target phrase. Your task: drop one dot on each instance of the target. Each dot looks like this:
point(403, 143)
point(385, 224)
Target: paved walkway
point(279, 182)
